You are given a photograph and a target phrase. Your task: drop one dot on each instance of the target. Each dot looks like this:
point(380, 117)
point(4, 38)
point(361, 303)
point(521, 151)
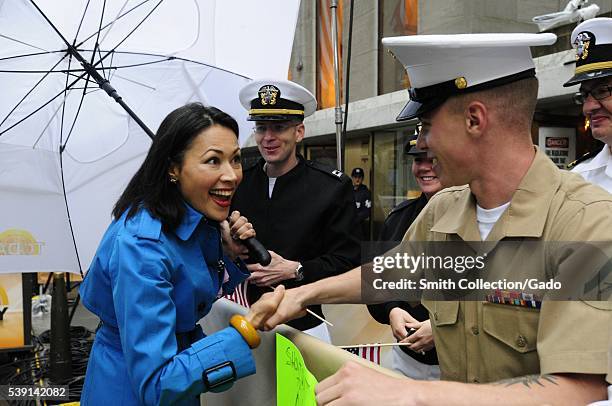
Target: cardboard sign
point(295, 384)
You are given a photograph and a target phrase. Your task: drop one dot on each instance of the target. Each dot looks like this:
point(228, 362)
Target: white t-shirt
point(271, 183)
point(488, 217)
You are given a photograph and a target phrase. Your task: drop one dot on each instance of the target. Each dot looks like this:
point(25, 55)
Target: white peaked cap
point(439, 66)
point(593, 42)
point(274, 99)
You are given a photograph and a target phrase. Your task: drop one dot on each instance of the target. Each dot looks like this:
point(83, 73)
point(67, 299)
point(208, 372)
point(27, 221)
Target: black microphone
point(257, 252)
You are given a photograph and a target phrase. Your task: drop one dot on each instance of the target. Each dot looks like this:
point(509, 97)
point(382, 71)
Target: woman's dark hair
point(151, 187)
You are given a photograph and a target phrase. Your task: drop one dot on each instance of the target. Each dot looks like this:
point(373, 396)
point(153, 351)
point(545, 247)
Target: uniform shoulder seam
point(451, 190)
point(403, 205)
point(587, 156)
point(251, 167)
point(328, 170)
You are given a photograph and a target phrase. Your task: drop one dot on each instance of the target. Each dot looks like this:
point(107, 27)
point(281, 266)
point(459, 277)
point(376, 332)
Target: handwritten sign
point(294, 383)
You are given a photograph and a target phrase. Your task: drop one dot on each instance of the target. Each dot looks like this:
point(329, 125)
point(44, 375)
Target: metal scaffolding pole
point(338, 109)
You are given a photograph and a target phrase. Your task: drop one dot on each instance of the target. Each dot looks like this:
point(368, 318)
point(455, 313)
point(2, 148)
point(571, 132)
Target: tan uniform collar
point(526, 215)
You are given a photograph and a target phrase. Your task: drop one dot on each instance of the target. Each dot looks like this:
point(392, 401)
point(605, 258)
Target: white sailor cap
point(440, 66)
point(593, 42)
point(275, 100)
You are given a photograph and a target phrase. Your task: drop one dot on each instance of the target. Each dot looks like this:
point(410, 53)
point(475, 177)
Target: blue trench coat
point(149, 287)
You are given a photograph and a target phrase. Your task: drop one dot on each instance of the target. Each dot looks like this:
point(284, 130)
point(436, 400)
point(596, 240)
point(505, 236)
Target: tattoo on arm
point(528, 380)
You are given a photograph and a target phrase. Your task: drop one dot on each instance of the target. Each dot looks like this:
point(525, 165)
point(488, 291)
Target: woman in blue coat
point(166, 257)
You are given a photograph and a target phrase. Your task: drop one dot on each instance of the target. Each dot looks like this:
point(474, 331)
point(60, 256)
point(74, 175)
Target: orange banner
point(326, 89)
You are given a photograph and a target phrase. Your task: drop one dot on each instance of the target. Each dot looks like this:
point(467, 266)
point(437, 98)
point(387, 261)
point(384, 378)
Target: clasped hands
point(401, 322)
point(274, 308)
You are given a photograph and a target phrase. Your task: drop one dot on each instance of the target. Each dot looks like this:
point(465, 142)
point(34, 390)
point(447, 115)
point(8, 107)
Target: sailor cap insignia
point(582, 42)
point(461, 83)
point(268, 95)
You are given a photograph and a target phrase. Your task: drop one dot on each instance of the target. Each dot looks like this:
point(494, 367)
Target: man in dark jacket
point(303, 212)
point(401, 315)
point(363, 201)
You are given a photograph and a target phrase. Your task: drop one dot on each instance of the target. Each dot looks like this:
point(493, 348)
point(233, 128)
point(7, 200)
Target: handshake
point(275, 308)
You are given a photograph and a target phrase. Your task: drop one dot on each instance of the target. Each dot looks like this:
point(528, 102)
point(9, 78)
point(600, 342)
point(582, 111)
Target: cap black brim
point(415, 109)
point(583, 77)
point(287, 117)
point(415, 151)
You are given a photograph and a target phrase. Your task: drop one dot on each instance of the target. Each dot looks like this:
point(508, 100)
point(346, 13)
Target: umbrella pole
point(102, 82)
point(108, 88)
point(338, 109)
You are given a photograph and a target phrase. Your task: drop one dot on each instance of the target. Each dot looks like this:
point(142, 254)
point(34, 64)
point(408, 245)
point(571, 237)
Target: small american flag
point(371, 353)
point(240, 295)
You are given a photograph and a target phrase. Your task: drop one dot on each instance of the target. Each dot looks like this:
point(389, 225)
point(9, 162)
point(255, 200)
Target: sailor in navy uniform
point(413, 364)
point(304, 212)
point(593, 42)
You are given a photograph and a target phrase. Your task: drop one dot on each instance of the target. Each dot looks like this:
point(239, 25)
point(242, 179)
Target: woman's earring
point(173, 179)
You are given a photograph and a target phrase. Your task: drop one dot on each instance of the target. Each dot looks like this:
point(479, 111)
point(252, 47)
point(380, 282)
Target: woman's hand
point(399, 319)
point(265, 307)
point(422, 339)
point(233, 230)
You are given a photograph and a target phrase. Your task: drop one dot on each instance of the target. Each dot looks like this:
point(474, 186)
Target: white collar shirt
point(598, 170)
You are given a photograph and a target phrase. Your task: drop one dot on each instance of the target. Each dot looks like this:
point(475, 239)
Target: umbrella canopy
point(67, 150)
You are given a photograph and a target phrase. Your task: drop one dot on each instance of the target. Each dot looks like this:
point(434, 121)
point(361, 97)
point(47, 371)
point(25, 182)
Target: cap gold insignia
point(268, 95)
point(582, 42)
point(461, 83)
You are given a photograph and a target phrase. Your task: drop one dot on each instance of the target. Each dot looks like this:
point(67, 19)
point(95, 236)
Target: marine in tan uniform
point(475, 95)
point(550, 205)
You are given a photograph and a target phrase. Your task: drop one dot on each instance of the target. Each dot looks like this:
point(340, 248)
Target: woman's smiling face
point(422, 169)
point(210, 172)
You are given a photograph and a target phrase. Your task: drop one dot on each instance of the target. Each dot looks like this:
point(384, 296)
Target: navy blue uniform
point(310, 218)
point(363, 203)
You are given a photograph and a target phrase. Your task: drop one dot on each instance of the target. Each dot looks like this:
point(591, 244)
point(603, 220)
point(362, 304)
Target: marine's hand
point(278, 270)
point(234, 229)
point(355, 384)
point(290, 307)
point(265, 307)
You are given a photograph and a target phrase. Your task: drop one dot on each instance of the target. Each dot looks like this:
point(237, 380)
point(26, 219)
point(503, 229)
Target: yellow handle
point(246, 330)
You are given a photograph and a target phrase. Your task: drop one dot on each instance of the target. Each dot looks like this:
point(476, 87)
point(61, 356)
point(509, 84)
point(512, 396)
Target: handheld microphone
point(257, 251)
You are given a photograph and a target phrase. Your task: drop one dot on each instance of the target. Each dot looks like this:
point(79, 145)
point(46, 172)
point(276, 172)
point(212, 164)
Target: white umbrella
point(67, 149)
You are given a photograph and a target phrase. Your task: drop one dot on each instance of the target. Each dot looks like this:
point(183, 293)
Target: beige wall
point(473, 16)
point(357, 155)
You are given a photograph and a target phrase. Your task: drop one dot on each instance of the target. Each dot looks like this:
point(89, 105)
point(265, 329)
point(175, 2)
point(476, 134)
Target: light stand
point(61, 361)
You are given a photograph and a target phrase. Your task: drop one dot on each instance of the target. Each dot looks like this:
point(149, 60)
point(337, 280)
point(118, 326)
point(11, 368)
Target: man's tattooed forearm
point(528, 380)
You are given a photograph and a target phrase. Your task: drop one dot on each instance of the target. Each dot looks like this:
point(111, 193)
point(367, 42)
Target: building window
point(392, 180)
point(397, 18)
point(326, 90)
